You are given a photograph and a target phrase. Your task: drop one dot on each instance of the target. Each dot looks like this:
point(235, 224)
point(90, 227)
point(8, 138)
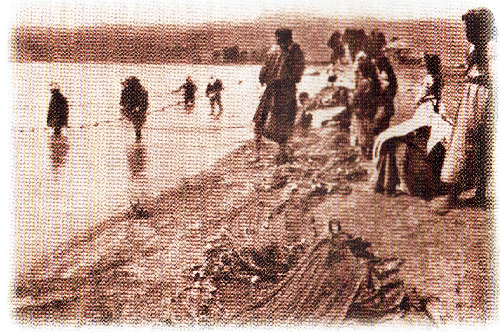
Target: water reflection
point(139, 185)
point(59, 147)
point(136, 157)
point(189, 108)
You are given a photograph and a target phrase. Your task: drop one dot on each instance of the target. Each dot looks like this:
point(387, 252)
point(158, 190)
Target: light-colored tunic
point(472, 132)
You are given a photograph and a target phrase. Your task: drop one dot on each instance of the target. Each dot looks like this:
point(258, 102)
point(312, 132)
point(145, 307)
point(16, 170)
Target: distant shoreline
point(224, 43)
point(249, 63)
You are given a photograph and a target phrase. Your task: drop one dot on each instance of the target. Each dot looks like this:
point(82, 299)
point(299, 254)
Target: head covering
point(366, 69)
point(283, 35)
point(481, 24)
point(132, 81)
point(432, 63)
point(383, 62)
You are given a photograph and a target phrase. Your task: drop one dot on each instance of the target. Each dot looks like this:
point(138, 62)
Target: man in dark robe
point(134, 103)
point(275, 116)
point(57, 117)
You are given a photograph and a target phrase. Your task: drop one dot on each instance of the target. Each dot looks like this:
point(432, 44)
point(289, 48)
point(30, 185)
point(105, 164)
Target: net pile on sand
point(337, 281)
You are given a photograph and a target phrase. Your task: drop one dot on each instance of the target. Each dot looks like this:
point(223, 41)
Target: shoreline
point(141, 266)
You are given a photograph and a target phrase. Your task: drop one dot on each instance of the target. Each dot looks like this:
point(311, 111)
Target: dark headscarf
point(283, 35)
point(480, 25)
point(480, 29)
point(133, 81)
point(384, 65)
point(433, 66)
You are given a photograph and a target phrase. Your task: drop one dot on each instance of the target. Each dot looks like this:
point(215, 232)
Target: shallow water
point(64, 185)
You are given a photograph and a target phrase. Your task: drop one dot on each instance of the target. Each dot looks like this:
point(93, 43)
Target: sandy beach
point(152, 264)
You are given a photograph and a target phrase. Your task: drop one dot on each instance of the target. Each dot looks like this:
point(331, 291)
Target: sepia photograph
point(250, 164)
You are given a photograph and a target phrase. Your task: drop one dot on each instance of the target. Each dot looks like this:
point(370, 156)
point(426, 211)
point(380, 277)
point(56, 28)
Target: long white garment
point(461, 143)
point(441, 131)
point(425, 116)
point(475, 106)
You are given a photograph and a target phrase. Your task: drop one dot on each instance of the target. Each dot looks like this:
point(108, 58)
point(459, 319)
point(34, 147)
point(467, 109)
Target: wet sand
point(134, 267)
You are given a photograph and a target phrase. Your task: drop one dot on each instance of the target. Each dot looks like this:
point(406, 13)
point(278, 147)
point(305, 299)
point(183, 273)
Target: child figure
point(305, 118)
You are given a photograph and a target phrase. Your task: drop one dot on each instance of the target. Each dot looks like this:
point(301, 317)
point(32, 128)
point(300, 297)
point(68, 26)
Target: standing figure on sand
point(57, 116)
point(213, 92)
point(134, 103)
point(388, 90)
point(468, 162)
point(364, 104)
point(275, 115)
point(189, 92)
point(338, 51)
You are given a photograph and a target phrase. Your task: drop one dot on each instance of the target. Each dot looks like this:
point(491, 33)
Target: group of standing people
point(458, 147)
point(213, 92)
point(457, 150)
point(133, 101)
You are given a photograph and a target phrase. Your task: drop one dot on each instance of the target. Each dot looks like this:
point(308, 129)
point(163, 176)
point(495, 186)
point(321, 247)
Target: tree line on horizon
point(115, 44)
point(60, 45)
point(221, 43)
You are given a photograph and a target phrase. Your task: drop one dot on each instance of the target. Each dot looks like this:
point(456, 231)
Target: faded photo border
point(149, 12)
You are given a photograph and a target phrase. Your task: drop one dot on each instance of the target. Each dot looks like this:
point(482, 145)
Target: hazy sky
point(68, 13)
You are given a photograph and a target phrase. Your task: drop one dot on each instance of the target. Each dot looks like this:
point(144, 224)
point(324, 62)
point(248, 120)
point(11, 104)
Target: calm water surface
point(64, 185)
